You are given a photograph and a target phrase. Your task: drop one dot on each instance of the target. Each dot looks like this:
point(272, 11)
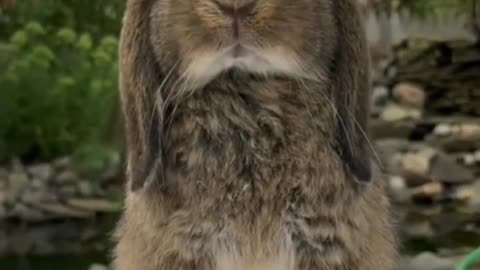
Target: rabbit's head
point(193, 41)
point(207, 37)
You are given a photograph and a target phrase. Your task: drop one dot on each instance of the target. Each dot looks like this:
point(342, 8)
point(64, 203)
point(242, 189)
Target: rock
point(416, 164)
point(3, 212)
point(35, 196)
point(469, 132)
point(398, 189)
point(98, 267)
point(442, 130)
point(38, 184)
point(446, 169)
point(17, 183)
point(3, 176)
point(388, 147)
point(68, 190)
point(85, 188)
point(60, 210)
point(62, 163)
point(422, 229)
point(432, 190)
point(469, 159)
point(379, 99)
point(42, 172)
point(430, 261)
point(95, 205)
point(27, 213)
point(477, 156)
point(17, 166)
point(393, 113)
point(409, 94)
point(66, 177)
point(469, 194)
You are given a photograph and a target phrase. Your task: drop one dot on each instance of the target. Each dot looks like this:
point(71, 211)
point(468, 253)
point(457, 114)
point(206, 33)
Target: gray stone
point(422, 229)
point(95, 205)
point(66, 177)
point(430, 261)
point(17, 182)
point(59, 210)
point(444, 168)
point(34, 196)
point(3, 175)
point(17, 166)
point(68, 190)
point(409, 94)
point(38, 184)
point(442, 130)
point(62, 163)
point(395, 112)
point(41, 171)
point(85, 188)
point(27, 213)
point(98, 267)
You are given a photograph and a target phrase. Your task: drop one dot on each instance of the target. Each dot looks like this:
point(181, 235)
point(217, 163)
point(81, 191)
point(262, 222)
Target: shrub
point(58, 91)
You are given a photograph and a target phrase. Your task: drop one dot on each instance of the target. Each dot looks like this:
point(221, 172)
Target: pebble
point(442, 130)
point(66, 177)
point(469, 159)
point(3, 175)
point(477, 156)
point(97, 205)
point(38, 184)
point(430, 261)
point(85, 188)
point(58, 209)
point(469, 132)
point(432, 190)
point(68, 190)
point(98, 267)
point(17, 183)
point(17, 166)
point(416, 164)
point(379, 95)
point(445, 168)
point(422, 229)
point(409, 94)
point(393, 113)
point(62, 163)
point(41, 171)
point(27, 213)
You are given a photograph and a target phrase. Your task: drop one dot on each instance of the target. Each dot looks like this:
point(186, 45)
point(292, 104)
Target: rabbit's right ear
point(140, 77)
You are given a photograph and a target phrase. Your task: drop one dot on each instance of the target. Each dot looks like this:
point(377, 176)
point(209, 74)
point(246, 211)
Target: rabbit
point(246, 130)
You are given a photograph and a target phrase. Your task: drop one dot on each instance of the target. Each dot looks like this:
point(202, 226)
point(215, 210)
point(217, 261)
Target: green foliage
point(58, 90)
point(437, 8)
point(97, 17)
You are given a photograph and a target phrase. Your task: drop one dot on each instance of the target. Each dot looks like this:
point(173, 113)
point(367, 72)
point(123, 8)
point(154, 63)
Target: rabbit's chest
point(235, 144)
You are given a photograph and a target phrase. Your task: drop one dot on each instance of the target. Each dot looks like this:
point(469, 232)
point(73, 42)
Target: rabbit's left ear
point(352, 90)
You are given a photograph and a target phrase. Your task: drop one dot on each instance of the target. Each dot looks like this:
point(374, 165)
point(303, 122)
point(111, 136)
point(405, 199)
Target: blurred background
point(61, 137)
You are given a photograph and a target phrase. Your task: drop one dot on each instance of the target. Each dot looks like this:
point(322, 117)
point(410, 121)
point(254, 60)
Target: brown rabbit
point(247, 148)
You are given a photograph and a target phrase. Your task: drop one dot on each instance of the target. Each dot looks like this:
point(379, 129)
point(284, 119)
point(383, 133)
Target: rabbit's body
point(247, 172)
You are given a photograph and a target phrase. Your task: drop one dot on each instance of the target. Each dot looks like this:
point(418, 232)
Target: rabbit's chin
point(204, 66)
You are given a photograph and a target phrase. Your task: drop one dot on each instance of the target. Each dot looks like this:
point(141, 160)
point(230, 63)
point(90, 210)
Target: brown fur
point(250, 172)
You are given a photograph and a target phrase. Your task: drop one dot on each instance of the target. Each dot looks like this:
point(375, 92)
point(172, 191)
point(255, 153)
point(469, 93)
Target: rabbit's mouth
point(205, 65)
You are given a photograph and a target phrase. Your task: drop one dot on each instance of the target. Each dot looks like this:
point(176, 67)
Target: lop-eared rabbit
point(248, 149)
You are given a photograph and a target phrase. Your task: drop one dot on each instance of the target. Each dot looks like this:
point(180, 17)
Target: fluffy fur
point(249, 151)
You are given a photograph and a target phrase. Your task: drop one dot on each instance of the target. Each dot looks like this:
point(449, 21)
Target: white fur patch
point(204, 66)
point(279, 254)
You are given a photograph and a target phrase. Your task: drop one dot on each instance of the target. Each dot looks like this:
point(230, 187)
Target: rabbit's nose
point(237, 12)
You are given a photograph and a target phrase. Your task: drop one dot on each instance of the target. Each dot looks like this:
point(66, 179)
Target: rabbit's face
point(208, 37)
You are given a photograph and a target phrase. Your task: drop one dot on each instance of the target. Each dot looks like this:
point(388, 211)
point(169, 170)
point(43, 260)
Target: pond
point(76, 245)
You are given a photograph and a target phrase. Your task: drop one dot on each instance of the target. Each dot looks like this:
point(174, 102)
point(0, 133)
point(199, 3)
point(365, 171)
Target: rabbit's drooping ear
point(140, 77)
point(352, 87)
